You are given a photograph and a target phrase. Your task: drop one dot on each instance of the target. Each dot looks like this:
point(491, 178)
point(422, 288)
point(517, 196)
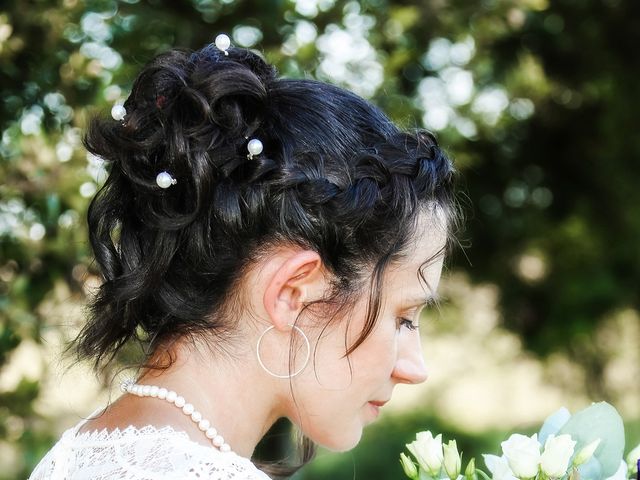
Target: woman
point(271, 242)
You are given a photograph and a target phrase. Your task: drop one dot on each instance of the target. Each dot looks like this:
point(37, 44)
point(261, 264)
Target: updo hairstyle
point(336, 176)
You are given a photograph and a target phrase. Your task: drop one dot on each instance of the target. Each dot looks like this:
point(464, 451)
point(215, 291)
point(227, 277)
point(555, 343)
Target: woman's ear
point(294, 281)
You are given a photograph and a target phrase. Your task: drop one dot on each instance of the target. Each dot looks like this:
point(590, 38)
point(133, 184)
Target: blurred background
point(535, 100)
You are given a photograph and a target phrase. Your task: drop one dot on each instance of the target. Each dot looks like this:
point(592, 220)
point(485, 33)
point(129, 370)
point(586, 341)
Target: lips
point(378, 403)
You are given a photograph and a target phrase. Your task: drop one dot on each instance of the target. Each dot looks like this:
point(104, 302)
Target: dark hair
point(335, 176)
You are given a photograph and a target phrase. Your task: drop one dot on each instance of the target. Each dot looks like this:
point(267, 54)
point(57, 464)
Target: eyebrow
point(427, 299)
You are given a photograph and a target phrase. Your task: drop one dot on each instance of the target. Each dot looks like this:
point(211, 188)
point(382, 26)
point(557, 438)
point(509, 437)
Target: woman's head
point(336, 177)
point(333, 396)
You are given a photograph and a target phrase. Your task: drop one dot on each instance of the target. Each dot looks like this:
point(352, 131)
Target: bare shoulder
point(129, 411)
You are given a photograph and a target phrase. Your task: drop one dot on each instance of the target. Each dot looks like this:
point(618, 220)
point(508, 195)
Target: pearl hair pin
point(165, 180)
point(172, 397)
point(118, 112)
point(255, 148)
point(223, 42)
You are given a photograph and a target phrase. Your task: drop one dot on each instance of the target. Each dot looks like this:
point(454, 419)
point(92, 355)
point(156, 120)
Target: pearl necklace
point(172, 397)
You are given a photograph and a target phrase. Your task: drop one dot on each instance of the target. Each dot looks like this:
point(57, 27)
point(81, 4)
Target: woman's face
point(337, 396)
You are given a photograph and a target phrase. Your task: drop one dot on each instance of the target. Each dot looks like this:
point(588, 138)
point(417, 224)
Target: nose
point(410, 367)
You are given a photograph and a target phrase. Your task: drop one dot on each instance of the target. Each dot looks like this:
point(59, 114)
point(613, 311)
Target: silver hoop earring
point(306, 360)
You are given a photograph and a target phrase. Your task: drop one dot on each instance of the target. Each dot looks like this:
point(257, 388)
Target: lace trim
point(140, 453)
point(130, 433)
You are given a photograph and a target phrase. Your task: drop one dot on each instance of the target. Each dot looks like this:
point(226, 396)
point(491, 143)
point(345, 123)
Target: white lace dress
point(146, 453)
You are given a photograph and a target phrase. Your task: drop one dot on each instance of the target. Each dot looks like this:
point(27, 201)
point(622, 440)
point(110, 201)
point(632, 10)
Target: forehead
point(423, 253)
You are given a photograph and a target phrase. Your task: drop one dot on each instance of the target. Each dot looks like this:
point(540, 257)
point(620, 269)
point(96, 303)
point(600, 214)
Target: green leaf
point(553, 423)
point(602, 421)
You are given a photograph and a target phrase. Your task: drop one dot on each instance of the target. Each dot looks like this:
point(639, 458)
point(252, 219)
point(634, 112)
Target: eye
point(405, 322)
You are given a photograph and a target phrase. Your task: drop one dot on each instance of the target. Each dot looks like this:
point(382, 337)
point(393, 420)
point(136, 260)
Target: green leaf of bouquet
point(591, 469)
point(553, 424)
point(600, 420)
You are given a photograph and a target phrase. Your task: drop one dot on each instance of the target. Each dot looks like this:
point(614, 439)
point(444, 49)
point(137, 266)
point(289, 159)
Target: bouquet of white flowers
point(588, 445)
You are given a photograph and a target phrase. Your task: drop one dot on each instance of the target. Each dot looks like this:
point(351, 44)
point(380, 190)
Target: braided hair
point(335, 176)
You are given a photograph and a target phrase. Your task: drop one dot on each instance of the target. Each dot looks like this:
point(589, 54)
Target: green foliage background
point(536, 100)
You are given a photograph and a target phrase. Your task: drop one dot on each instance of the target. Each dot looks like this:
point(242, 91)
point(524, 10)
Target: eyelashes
point(407, 323)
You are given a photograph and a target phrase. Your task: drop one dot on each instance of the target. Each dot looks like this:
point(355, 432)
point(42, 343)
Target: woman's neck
point(240, 401)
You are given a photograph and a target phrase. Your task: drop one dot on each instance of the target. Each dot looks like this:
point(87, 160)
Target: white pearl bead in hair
point(118, 112)
point(165, 180)
point(255, 147)
point(223, 42)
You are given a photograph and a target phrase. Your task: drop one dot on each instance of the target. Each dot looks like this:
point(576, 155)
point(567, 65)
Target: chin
point(339, 441)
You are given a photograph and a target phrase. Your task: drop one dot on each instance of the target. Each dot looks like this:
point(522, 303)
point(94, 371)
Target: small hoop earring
point(306, 360)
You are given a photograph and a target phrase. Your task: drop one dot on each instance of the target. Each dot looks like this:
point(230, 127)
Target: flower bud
point(470, 471)
point(452, 460)
point(522, 454)
point(428, 452)
point(633, 460)
point(409, 467)
point(554, 461)
point(586, 453)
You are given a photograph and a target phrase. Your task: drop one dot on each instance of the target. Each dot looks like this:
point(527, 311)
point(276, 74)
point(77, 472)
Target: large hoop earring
point(291, 375)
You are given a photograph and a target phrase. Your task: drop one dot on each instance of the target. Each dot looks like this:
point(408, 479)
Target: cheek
point(376, 357)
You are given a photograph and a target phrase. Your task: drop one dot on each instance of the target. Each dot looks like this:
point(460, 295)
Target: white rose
point(498, 467)
point(554, 461)
point(428, 452)
point(523, 455)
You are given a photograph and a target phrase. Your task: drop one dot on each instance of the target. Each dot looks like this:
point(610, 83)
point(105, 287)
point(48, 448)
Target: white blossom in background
point(31, 120)
point(458, 84)
point(311, 8)
point(521, 108)
point(441, 95)
point(96, 29)
point(246, 36)
point(64, 151)
point(19, 221)
point(438, 54)
point(37, 232)
point(93, 25)
point(490, 103)
point(67, 144)
point(304, 33)
point(107, 56)
point(68, 218)
point(96, 168)
point(87, 189)
point(432, 98)
point(57, 104)
point(347, 57)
